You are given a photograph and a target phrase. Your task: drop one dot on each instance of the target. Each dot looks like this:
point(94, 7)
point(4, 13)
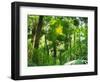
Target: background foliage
point(57, 40)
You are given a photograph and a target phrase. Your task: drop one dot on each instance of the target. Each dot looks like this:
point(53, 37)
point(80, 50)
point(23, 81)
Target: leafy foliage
point(57, 39)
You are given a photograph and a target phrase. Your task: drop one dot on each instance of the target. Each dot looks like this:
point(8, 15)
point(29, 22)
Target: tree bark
point(33, 32)
point(38, 32)
point(54, 49)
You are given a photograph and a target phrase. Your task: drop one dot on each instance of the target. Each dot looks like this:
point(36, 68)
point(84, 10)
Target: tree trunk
point(33, 32)
point(80, 53)
point(74, 44)
point(54, 49)
point(46, 44)
point(38, 32)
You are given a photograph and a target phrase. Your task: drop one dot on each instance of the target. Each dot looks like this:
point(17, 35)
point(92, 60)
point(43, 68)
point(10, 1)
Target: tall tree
point(38, 32)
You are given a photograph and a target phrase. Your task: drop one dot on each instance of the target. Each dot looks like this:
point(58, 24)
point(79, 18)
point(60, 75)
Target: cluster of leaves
point(61, 40)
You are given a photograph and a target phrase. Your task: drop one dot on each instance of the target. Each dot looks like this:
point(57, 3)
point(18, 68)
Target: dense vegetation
point(57, 40)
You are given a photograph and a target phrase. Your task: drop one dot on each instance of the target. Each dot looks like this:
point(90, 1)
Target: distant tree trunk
point(38, 32)
point(70, 48)
point(46, 44)
point(80, 53)
point(47, 48)
point(33, 32)
point(54, 49)
point(75, 43)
